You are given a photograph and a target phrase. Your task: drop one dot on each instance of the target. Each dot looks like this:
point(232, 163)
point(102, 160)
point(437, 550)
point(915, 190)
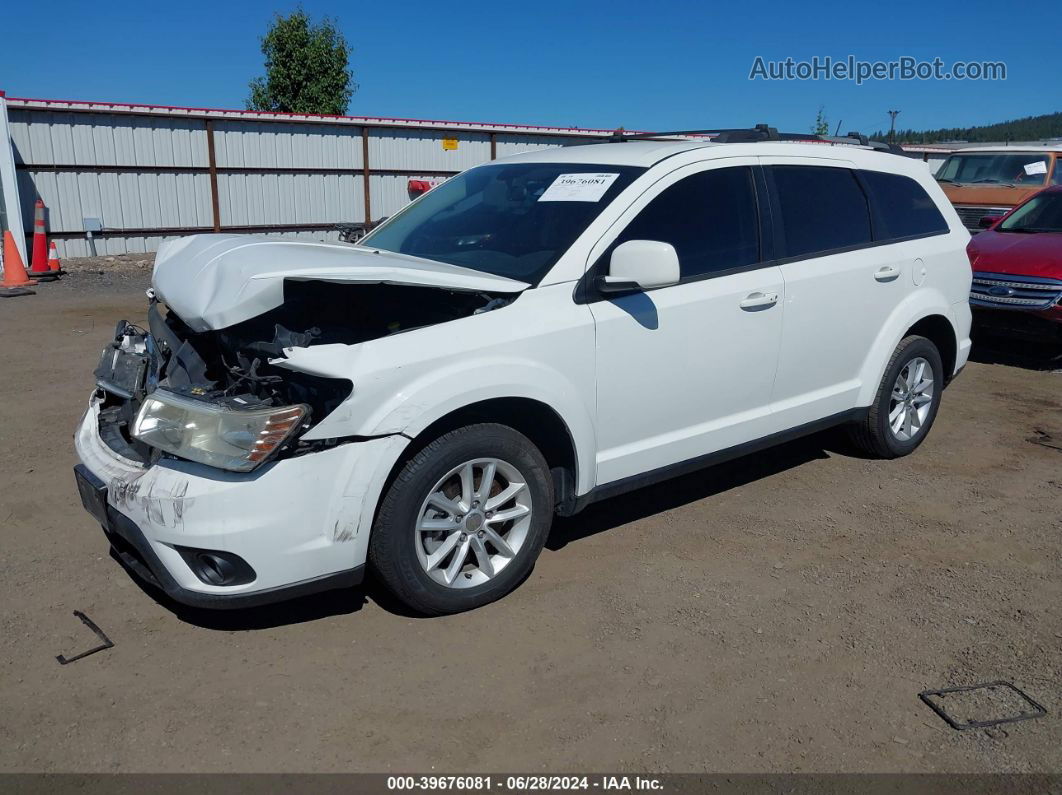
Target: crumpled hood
point(215, 281)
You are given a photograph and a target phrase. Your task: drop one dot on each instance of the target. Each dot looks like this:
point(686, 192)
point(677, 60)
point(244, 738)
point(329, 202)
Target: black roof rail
point(761, 132)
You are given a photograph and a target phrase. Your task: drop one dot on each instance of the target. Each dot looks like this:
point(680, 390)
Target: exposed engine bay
point(230, 367)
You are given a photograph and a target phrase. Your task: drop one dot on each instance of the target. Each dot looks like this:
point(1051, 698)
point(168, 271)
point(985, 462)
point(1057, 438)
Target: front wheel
point(906, 402)
point(464, 521)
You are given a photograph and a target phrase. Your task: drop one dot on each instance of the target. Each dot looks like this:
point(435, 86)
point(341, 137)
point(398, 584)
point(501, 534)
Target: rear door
point(839, 287)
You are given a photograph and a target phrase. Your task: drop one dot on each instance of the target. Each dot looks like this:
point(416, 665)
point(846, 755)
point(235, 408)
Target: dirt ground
point(779, 613)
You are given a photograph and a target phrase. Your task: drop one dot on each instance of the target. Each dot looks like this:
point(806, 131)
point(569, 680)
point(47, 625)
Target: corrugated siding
point(280, 199)
point(121, 200)
point(279, 145)
point(514, 144)
point(423, 150)
point(126, 198)
point(91, 139)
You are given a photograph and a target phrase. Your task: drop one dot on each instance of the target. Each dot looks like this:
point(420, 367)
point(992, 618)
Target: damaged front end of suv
point(207, 396)
point(223, 397)
point(211, 397)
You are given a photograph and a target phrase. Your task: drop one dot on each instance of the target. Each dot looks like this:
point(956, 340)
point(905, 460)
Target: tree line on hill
point(1031, 128)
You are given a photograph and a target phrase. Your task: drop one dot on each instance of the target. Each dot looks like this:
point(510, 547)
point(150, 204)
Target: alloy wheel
point(911, 399)
point(473, 523)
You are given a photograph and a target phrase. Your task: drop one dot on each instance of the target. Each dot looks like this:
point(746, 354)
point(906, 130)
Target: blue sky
point(661, 65)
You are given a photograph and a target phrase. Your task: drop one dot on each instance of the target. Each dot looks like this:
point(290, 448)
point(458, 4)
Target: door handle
point(886, 273)
point(759, 300)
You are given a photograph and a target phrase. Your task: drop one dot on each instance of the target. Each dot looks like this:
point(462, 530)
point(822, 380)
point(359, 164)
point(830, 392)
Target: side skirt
point(622, 486)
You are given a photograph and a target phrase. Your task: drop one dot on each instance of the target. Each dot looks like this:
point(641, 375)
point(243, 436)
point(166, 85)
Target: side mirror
point(987, 221)
point(640, 265)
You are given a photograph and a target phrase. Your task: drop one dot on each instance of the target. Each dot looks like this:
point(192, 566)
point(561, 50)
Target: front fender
point(539, 349)
point(435, 394)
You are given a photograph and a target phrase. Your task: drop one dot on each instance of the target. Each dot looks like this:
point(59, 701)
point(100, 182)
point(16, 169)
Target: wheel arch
point(925, 313)
point(939, 330)
point(536, 420)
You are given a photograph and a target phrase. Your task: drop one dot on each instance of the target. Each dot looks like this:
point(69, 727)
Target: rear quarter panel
point(944, 291)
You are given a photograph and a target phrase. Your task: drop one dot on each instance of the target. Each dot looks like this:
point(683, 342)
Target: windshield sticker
point(578, 188)
point(1039, 167)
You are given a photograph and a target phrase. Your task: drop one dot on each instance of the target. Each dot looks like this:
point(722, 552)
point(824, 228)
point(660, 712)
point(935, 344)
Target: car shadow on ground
point(702, 484)
point(1016, 353)
point(597, 518)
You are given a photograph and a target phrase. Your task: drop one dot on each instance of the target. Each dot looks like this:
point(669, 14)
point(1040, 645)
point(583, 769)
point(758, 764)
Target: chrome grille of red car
point(1018, 292)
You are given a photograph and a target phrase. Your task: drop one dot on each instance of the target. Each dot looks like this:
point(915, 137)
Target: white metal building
point(141, 173)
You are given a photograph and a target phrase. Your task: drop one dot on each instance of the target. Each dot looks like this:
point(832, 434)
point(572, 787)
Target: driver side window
point(709, 217)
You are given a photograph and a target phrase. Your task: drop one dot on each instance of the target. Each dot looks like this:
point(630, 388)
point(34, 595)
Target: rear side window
point(901, 206)
point(822, 208)
point(710, 218)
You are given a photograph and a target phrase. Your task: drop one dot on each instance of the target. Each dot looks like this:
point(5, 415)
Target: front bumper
point(133, 549)
point(301, 524)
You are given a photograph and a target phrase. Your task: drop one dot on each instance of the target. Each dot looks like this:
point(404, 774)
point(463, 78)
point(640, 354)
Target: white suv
point(535, 334)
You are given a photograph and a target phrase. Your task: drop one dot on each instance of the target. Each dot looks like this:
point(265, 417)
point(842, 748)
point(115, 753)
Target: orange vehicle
point(992, 180)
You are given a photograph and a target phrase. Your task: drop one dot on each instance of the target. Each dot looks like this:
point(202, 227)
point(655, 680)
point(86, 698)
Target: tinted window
point(512, 220)
point(822, 208)
point(710, 218)
point(901, 207)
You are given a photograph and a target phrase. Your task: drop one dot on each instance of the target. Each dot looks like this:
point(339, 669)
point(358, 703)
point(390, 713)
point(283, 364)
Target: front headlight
point(234, 439)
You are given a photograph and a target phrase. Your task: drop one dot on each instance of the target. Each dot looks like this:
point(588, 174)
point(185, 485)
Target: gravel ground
point(102, 274)
point(779, 613)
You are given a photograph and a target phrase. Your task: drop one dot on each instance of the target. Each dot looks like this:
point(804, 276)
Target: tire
point(875, 435)
point(417, 565)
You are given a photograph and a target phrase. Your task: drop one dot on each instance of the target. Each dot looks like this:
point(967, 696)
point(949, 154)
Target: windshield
point(511, 220)
point(1018, 169)
point(1041, 213)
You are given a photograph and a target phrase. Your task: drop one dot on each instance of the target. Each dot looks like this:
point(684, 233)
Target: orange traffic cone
point(39, 259)
point(14, 270)
point(55, 267)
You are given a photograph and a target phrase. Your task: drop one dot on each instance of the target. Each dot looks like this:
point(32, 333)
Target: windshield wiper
point(1023, 230)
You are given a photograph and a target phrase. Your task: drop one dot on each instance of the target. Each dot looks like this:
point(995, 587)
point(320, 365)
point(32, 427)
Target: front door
point(687, 370)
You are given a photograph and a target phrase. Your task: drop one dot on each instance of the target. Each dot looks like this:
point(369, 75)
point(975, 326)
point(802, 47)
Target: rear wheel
point(906, 402)
point(464, 521)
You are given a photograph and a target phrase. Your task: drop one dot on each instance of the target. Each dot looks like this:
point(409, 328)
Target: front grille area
point(1017, 292)
point(971, 215)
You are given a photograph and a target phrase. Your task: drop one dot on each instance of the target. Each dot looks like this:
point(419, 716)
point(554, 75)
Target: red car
point(1017, 263)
